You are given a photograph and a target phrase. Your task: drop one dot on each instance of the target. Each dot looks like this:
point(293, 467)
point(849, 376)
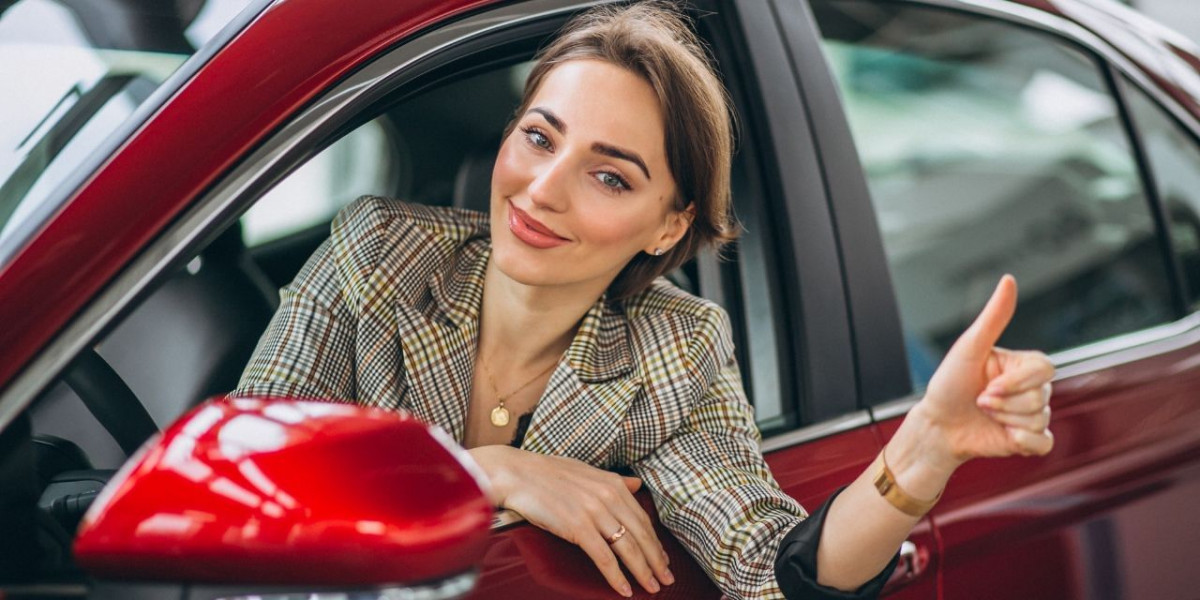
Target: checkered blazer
point(386, 314)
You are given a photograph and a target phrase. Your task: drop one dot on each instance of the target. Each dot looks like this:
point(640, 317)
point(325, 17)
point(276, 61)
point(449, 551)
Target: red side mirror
point(275, 492)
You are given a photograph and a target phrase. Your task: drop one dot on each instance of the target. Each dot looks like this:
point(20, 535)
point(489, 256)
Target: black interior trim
point(810, 275)
point(752, 184)
point(881, 360)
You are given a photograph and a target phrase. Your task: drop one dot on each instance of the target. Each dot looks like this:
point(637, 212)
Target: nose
point(549, 188)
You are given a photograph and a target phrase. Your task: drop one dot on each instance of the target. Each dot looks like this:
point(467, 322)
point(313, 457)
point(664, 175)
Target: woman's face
point(582, 185)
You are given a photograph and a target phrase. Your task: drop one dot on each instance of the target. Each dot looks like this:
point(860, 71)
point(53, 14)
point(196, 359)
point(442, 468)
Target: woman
point(543, 339)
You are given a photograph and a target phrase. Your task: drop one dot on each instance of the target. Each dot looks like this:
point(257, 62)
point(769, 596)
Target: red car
point(895, 157)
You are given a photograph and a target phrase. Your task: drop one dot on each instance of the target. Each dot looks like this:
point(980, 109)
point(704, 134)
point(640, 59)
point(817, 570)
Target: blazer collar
point(590, 387)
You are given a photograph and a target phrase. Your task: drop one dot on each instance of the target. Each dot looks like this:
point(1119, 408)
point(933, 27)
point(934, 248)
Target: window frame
point(811, 278)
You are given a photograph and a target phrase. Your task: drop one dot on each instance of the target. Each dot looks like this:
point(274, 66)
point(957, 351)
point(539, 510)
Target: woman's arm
point(307, 350)
point(982, 401)
point(581, 504)
point(710, 484)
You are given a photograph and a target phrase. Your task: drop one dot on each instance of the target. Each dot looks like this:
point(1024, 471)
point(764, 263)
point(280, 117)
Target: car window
point(990, 149)
point(381, 157)
point(74, 73)
point(1175, 167)
point(366, 160)
point(437, 147)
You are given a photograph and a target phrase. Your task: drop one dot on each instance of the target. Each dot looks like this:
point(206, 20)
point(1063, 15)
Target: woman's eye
point(537, 138)
point(613, 181)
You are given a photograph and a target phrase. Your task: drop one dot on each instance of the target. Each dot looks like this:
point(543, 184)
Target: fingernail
point(668, 577)
point(654, 587)
point(625, 590)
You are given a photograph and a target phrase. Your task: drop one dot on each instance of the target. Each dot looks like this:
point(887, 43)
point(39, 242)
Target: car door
point(999, 139)
point(784, 287)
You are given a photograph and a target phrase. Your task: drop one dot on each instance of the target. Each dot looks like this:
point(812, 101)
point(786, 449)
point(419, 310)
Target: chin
point(524, 266)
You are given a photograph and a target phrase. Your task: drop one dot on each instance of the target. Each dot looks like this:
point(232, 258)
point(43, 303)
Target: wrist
point(918, 456)
point(495, 461)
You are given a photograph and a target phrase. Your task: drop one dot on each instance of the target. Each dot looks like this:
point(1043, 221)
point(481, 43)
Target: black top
point(796, 563)
point(522, 426)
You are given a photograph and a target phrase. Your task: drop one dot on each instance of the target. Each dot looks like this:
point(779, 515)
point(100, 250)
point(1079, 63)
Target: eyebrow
point(616, 152)
point(598, 147)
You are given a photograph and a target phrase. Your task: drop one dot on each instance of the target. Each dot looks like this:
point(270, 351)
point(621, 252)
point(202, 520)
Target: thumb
point(982, 335)
point(633, 483)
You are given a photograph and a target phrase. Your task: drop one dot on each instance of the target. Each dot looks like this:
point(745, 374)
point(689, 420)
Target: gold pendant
point(499, 416)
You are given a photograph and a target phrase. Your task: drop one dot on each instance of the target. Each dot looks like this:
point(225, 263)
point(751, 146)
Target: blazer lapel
point(589, 393)
point(438, 340)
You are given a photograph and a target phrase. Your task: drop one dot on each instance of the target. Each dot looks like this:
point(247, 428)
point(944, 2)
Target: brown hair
point(654, 41)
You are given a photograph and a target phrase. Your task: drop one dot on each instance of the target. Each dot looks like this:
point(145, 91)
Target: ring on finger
point(620, 533)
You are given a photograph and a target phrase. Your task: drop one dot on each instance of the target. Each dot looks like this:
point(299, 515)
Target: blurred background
point(1181, 15)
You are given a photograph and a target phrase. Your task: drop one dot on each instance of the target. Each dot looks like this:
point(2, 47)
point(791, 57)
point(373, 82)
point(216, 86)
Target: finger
point(630, 552)
point(642, 532)
point(1029, 443)
point(602, 555)
point(1023, 370)
point(1036, 423)
point(1027, 402)
point(633, 484)
point(979, 338)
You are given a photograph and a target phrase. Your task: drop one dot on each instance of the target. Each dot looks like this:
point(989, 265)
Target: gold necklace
point(500, 416)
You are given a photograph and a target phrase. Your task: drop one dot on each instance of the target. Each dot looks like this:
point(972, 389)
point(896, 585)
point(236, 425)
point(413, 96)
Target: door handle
point(913, 560)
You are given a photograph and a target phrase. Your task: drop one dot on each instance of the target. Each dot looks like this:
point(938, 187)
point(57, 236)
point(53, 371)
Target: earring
point(658, 251)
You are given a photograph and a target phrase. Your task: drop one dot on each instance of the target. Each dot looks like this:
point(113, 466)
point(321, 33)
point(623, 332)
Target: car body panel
point(1090, 515)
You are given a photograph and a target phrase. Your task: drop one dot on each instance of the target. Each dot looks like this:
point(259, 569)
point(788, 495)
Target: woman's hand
point(583, 505)
point(982, 400)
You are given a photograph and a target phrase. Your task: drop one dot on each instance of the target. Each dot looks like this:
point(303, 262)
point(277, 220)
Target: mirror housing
point(283, 492)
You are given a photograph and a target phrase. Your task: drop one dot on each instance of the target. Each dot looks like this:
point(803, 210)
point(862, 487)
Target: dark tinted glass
point(992, 149)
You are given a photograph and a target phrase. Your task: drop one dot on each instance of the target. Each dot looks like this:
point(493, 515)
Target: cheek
point(507, 173)
point(616, 228)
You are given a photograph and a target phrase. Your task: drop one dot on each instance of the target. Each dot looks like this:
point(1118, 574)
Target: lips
point(529, 230)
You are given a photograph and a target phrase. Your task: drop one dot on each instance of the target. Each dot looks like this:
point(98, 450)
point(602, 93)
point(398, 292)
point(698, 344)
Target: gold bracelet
point(885, 483)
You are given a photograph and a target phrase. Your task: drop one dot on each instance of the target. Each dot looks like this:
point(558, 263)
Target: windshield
point(75, 71)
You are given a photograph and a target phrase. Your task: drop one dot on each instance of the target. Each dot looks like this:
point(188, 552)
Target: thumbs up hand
point(987, 401)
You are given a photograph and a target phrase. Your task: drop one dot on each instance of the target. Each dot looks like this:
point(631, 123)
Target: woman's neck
point(524, 326)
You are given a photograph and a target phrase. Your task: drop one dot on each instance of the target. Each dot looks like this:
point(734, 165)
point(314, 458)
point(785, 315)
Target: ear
point(674, 227)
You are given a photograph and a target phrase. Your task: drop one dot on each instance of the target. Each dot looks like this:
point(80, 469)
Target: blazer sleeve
point(307, 350)
point(709, 481)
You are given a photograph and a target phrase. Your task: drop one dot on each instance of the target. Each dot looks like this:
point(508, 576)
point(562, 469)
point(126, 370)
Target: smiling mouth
point(529, 230)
